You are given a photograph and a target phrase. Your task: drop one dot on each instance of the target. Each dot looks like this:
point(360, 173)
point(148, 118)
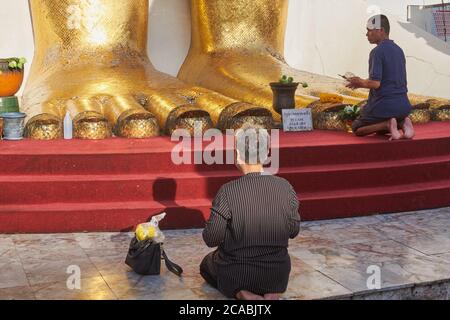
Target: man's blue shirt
point(387, 64)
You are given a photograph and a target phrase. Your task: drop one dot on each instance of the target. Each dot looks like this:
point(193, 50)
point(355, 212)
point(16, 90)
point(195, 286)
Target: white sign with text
point(297, 120)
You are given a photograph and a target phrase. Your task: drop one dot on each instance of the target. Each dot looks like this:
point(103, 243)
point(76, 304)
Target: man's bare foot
point(272, 296)
point(408, 129)
point(246, 295)
point(393, 129)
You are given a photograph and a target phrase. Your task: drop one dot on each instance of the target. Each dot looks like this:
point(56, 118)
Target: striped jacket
point(252, 220)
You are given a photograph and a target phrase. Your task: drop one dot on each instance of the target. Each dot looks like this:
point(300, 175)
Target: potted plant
point(11, 76)
point(284, 93)
point(348, 115)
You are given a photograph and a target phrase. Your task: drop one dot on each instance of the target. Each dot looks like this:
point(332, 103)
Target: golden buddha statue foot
point(91, 61)
point(237, 49)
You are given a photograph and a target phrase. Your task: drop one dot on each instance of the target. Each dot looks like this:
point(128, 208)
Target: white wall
point(324, 36)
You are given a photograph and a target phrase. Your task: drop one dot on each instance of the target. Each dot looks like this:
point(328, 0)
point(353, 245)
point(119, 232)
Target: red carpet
point(112, 185)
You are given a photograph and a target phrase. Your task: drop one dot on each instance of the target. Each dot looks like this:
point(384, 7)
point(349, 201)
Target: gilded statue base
point(441, 114)
point(327, 117)
point(421, 114)
point(91, 61)
point(235, 116)
point(44, 127)
point(183, 118)
point(91, 126)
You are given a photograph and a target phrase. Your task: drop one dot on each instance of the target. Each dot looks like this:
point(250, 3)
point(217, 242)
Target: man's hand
point(355, 83)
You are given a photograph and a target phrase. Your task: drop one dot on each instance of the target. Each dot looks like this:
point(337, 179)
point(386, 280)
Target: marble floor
point(335, 259)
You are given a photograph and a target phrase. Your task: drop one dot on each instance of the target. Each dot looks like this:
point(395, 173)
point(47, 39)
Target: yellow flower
point(331, 98)
point(145, 231)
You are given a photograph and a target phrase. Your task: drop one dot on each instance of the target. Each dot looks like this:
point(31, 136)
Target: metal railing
point(441, 15)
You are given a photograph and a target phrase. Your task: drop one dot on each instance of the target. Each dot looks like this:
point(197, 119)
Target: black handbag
point(144, 257)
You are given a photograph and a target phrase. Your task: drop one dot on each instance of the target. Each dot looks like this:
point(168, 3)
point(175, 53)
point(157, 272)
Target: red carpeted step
point(366, 201)
point(123, 216)
point(155, 162)
point(363, 152)
point(118, 156)
point(104, 216)
point(34, 189)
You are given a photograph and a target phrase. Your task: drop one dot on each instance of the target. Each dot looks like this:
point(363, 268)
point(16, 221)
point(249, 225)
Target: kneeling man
point(388, 107)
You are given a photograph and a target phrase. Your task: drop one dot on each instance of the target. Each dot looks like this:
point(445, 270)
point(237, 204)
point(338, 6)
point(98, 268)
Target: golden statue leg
point(91, 60)
point(238, 48)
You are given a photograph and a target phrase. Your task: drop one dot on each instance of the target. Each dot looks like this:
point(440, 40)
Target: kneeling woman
point(252, 220)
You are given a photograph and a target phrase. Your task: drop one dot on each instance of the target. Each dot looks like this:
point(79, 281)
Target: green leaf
point(13, 64)
point(16, 63)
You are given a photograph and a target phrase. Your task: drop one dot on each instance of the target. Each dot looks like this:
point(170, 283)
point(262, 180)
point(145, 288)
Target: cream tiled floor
point(329, 261)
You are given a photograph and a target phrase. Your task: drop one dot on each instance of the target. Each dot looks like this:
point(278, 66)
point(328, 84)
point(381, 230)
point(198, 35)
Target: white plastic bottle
point(68, 126)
